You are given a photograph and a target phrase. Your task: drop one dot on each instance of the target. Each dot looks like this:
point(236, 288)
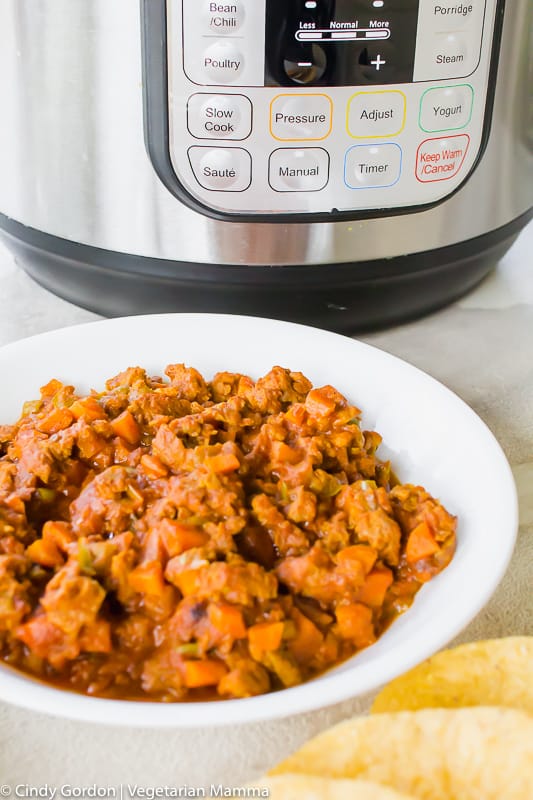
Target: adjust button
point(446, 109)
point(299, 170)
point(221, 169)
point(300, 117)
point(219, 116)
point(441, 159)
point(223, 62)
point(372, 166)
point(224, 18)
point(373, 115)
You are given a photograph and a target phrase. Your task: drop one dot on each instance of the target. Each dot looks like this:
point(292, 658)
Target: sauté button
point(219, 116)
point(223, 62)
point(300, 117)
point(446, 109)
point(441, 159)
point(373, 115)
point(304, 169)
point(224, 18)
point(221, 169)
point(372, 166)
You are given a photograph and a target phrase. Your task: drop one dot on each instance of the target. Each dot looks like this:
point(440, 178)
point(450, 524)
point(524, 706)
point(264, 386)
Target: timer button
point(223, 62)
point(372, 166)
point(224, 18)
point(221, 169)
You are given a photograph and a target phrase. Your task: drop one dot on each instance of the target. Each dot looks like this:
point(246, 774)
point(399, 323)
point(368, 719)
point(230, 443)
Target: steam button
point(224, 18)
point(221, 169)
point(223, 62)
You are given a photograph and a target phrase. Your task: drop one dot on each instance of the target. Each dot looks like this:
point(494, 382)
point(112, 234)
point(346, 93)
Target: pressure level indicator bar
point(348, 35)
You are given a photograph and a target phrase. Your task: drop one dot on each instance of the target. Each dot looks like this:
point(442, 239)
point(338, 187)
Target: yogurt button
point(224, 18)
point(221, 169)
point(446, 109)
point(223, 62)
point(219, 116)
point(304, 169)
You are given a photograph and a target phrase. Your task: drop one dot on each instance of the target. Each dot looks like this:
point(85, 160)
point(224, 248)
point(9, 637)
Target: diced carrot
point(51, 388)
point(187, 581)
point(355, 623)
point(44, 553)
point(359, 552)
point(56, 420)
point(178, 537)
point(153, 466)
point(307, 640)
point(282, 452)
point(228, 620)
point(58, 533)
point(87, 408)
point(127, 427)
point(319, 403)
point(147, 579)
point(207, 672)
point(96, 638)
point(420, 544)
point(375, 587)
point(264, 637)
point(224, 463)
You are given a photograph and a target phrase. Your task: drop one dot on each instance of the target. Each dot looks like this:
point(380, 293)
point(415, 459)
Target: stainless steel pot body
point(73, 161)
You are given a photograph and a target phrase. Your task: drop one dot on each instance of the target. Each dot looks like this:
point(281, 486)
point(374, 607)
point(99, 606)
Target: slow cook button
point(372, 166)
point(223, 62)
point(299, 170)
point(446, 109)
point(300, 117)
point(219, 116)
point(373, 115)
point(223, 18)
point(221, 169)
point(441, 159)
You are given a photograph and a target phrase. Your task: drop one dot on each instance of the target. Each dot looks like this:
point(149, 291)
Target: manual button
point(304, 169)
point(221, 169)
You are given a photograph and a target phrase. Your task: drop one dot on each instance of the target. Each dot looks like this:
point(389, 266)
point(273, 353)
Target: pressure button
point(300, 117)
point(222, 169)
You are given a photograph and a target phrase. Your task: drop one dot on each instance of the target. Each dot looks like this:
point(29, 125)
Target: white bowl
point(432, 437)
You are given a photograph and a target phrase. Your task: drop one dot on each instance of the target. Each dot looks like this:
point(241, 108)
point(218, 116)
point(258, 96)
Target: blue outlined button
point(372, 166)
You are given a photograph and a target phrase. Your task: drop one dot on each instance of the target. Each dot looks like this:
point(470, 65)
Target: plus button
point(378, 62)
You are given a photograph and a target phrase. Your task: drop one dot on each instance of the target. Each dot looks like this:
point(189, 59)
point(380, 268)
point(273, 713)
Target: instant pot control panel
point(296, 107)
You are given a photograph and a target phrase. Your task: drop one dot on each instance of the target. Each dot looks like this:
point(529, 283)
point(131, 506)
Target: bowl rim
point(327, 689)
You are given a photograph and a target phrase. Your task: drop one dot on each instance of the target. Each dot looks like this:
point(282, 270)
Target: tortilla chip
point(434, 754)
point(307, 787)
point(497, 672)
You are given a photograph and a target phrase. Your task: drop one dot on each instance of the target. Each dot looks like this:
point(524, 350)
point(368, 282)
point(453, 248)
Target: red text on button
point(440, 159)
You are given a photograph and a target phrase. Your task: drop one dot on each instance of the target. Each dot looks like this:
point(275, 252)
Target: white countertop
point(482, 348)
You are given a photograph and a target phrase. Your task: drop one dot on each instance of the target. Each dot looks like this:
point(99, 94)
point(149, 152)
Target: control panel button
point(221, 169)
point(219, 116)
point(223, 18)
point(441, 159)
point(451, 15)
point(300, 117)
point(373, 115)
point(223, 62)
point(446, 109)
point(370, 166)
point(304, 169)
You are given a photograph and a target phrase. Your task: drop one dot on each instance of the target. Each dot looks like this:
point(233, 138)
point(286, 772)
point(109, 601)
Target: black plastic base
point(341, 297)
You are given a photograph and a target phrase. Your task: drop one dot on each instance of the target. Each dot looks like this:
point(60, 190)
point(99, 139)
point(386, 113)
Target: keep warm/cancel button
point(441, 159)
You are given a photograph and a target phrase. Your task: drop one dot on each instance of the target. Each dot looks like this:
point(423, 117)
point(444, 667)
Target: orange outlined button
point(376, 115)
point(301, 117)
point(441, 159)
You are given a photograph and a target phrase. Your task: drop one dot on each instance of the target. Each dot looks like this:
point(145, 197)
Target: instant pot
point(346, 163)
